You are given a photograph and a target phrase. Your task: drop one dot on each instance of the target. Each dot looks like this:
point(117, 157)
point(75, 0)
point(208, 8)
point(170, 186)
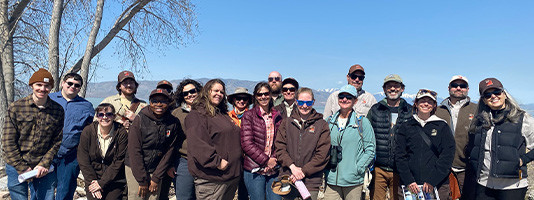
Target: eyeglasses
point(263, 94)
point(346, 96)
point(308, 103)
point(292, 89)
point(191, 91)
point(241, 98)
point(108, 115)
point(425, 91)
point(76, 85)
point(271, 79)
point(487, 95)
point(154, 101)
point(455, 85)
point(354, 76)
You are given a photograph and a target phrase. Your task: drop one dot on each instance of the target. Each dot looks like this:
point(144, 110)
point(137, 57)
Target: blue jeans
point(183, 181)
point(259, 186)
point(67, 173)
point(40, 188)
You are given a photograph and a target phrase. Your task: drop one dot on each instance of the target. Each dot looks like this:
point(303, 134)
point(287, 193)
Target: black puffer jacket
point(380, 118)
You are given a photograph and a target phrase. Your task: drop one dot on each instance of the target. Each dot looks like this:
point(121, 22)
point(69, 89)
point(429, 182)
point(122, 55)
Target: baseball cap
point(356, 67)
point(426, 93)
point(291, 81)
point(489, 83)
point(124, 75)
point(164, 83)
point(349, 89)
point(160, 91)
point(393, 77)
point(459, 77)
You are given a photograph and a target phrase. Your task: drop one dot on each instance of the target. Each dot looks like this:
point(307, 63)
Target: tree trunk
point(119, 24)
point(8, 67)
point(4, 32)
point(53, 42)
point(84, 72)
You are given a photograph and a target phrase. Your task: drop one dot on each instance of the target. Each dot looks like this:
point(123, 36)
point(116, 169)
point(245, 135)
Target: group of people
point(188, 137)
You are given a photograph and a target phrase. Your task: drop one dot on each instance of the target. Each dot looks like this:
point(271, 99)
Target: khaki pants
point(334, 192)
point(205, 189)
point(133, 187)
point(382, 181)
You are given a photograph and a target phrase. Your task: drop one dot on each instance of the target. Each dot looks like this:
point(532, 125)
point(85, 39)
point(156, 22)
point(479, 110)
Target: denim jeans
point(259, 186)
point(67, 173)
point(40, 188)
point(183, 181)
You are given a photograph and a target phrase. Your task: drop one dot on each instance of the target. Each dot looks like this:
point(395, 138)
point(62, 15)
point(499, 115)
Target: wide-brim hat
point(239, 91)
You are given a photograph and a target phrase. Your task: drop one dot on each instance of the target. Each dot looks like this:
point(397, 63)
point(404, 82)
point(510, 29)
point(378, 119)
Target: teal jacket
point(356, 155)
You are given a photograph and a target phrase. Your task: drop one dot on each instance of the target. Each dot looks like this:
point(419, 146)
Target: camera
point(335, 157)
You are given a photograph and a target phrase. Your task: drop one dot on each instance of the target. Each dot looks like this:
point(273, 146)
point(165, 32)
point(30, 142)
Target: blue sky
point(425, 42)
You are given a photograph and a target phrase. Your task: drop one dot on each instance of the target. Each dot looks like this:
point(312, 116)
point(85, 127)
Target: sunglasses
point(191, 91)
point(108, 115)
point(292, 89)
point(263, 94)
point(241, 98)
point(425, 91)
point(455, 85)
point(308, 103)
point(159, 101)
point(345, 96)
point(354, 76)
point(487, 95)
point(271, 79)
point(76, 85)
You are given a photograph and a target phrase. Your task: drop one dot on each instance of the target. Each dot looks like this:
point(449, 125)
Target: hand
point(126, 124)
point(97, 194)
point(223, 165)
point(270, 165)
point(427, 188)
point(41, 171)
point(171, 172)
point(413, 188)
point(296, 172)
point(153, 187)
point(94, 187)
point(520, 162)
point(129, 114)
point(143, 191)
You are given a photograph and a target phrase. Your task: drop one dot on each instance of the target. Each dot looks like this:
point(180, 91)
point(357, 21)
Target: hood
point(432, 118)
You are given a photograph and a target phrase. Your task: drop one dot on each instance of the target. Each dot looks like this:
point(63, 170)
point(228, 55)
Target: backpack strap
point(429, 143)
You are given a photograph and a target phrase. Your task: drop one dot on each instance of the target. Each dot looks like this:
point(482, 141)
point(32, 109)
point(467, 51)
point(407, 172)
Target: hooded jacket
point(253, 136)
point(151, 144)
point(107, 169)
point(416, 162)
point(306, 144)
point(356, 153)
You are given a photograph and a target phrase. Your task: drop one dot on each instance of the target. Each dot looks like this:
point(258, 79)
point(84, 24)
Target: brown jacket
point(465, 116)
point(305, 144)
point(107, 169)
point(180, 113)
point(151, 144)
point(211, 139)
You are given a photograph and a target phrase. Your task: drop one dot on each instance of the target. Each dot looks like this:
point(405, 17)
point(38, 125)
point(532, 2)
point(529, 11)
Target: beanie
point(41, 75)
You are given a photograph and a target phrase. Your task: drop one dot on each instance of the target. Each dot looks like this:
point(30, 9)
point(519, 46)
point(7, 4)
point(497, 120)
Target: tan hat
point(124, 75)
point(356, 67)
point(41, 75)
point(238, 91)
point(393, 77)
point(459, 77)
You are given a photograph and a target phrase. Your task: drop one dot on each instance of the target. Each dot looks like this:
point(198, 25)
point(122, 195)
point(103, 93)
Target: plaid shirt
point(32, 135)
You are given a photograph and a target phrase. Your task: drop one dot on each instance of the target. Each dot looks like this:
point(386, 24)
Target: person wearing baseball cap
point(458, 111)
point(499, 137)
point(151, 140)
point(385, 117)
point(344, 178)
point(289, 90)
point(31, 138)
point(355, 78)
point(164, 84)
point(127, 106)
point(424, 148)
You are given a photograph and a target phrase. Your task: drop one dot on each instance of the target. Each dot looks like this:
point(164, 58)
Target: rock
point(3, 183)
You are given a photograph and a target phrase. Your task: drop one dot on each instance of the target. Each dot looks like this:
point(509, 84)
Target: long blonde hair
point(203, 104)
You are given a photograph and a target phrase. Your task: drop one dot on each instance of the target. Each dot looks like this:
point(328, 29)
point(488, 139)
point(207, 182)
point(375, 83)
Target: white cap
point(459, 77)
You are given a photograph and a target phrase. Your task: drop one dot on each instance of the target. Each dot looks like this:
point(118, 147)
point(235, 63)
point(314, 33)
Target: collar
point(432, 118)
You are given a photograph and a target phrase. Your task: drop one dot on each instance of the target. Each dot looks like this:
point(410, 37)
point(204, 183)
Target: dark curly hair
point(178, 98)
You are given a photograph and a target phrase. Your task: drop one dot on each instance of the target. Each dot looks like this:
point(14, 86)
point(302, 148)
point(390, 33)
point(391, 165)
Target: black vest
point(507, 145)
point(384, 133)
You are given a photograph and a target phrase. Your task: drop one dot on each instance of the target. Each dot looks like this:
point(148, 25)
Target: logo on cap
point(160, 91)
point(126, 73)
point(46, 80)
point(489, 82)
